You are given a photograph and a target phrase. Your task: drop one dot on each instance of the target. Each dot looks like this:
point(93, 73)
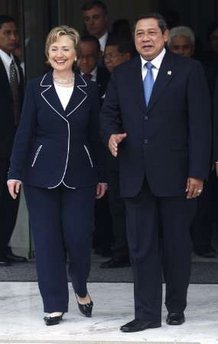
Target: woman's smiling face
point(62, 53)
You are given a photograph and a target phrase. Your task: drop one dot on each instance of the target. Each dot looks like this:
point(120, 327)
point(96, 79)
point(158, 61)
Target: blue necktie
point(148, 82)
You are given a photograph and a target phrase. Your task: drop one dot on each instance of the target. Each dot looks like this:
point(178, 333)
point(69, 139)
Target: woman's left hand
point(100, 190)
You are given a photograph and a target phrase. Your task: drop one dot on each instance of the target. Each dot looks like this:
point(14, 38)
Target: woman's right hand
point(14, 187)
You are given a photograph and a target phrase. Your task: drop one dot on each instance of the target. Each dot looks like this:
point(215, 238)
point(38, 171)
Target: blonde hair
point(58, 31)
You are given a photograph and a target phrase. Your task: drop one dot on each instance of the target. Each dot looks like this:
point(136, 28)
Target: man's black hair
point(123, 45)
point(94, 3)
point(4, 18)
point(91, 38)
point(155, 15)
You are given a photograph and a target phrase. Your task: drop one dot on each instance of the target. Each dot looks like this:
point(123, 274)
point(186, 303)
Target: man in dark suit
point(117, 51)
point(89, 54)
point(10, 112)
point(95, 19)
point(163, 147)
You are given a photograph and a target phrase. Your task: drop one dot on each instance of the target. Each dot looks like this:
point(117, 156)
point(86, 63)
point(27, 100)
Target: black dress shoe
point(49, 320)
point(4, 261)
point(175, 318)
point(85, 309)
point(139, 325)
point(115, 263)
point(15, 259)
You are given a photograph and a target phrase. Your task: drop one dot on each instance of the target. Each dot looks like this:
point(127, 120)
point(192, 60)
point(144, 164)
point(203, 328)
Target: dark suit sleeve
point(199, 123)
point(23, 136)
point(110, 114)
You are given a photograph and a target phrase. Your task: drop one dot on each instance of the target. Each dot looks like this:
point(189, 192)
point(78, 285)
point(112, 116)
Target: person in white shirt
point(11, 96)
point(95, 19)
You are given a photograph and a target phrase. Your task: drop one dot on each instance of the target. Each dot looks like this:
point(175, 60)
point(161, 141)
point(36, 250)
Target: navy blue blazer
point(167, 141)
point(53, 145)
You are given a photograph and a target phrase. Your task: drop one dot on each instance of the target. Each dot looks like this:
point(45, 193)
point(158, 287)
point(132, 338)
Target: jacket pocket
point(36, 155)
point(89, 156)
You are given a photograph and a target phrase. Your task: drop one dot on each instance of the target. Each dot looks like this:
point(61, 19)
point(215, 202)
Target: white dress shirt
point(103, 40)
point(7, 59)
point(156, 62)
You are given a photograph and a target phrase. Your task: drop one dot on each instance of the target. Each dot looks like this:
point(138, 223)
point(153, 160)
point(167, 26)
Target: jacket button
point(146, 141)
point(146, 118)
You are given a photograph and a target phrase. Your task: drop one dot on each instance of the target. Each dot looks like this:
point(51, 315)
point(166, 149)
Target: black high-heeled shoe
point(49, 320)
point(85, 309)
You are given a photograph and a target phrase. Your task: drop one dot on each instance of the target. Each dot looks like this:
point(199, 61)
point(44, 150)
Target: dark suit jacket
point(102, 79)
point(54, 145)
point(7, 126)
point(170, 139)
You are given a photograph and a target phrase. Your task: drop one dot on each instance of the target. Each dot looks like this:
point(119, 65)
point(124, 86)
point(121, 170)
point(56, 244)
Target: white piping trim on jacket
point(68, 140)
point(89, 156)
point(67, 159)
point(36, 155)
point(68, 126)
point(69, 187)
point(79, 87)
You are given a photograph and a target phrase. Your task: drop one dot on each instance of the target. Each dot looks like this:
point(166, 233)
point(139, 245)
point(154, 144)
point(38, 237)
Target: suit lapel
point(78, 96)
point(50, 96)
point(164, 77)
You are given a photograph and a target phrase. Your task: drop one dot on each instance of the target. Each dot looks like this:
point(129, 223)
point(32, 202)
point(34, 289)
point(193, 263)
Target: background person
point(11, 96)
point(95, 20)
point(156, 120)
point(117, 51)
point(181, 41)
point(57, 156)
point(89, 54)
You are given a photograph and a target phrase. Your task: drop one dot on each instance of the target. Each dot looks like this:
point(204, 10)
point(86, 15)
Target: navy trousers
point(158, 231)
point(62, 222)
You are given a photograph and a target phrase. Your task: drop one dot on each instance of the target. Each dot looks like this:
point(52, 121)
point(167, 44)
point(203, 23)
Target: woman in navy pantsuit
point(58, 157)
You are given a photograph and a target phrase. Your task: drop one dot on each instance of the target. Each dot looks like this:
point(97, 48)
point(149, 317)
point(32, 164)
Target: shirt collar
point(93, 73)
point(156, 61)
point(102, 40)
point(6, 58)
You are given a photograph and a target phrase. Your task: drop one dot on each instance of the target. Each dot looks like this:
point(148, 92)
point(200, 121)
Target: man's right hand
point(114, 141)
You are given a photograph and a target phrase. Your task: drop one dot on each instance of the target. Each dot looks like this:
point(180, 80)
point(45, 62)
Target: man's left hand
point(194, 187)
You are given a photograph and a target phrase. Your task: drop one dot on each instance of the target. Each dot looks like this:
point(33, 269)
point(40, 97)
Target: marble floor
point(21, 317)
